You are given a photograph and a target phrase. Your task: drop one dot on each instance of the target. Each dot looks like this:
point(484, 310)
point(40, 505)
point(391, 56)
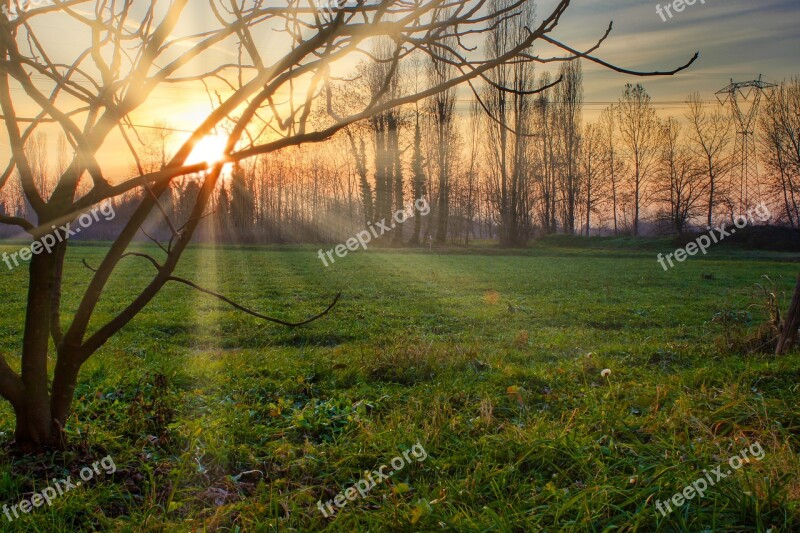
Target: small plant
point(408, 364)
point(741, 332)
point(324, 421)
point(769, 297)
point(151, 410)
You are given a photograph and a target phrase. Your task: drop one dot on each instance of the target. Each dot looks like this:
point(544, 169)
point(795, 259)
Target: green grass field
point(491, 361)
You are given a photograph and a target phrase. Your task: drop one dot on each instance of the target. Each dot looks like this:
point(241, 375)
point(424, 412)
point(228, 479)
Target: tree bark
point(790, 325)
point(35, 428)
point(64, 382)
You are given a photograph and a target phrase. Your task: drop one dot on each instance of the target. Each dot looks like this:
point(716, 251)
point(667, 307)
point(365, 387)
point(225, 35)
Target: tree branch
point(251, 312)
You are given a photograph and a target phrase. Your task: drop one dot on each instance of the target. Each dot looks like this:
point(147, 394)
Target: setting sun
point(210, 149)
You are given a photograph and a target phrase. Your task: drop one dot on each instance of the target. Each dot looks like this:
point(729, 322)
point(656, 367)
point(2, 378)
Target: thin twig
point(250, 312)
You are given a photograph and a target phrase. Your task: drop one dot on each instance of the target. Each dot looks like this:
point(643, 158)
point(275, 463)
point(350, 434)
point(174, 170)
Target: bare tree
point(472, 171)
point(417, 159)
point(510, 126)
point(780, 145)
point(614, 165)
point(710, 133)
point(546, 176)
point(592, 169)
point(382, 84)
point(136, 48)
point(441, 107)
point(680, 186)
point(567, 131)
point(359, 151)
point(639, 131)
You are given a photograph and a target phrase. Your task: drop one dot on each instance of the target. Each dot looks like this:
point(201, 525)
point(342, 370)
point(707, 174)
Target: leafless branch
point(251, 312)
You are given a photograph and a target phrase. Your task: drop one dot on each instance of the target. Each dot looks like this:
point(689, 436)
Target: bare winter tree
point(614, 164)
point(710, 133)
point(472, 172)
point(639, 131)
point(546, 176)
point(441, 108)
point(680, 186)
point(417, 157)
point(382, 84)
point(780, 145)
point(37, 154)
point(510, 131)
point(567, 131)
point(133, 47)
point(592, 169)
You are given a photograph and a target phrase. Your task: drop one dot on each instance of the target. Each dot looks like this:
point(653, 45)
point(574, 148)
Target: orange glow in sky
point(210, 149)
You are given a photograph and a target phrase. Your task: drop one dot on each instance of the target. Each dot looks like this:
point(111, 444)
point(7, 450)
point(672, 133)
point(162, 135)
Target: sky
point(736, 39)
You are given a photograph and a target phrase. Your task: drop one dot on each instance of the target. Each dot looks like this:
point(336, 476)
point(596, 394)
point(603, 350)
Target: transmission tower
point(743, 98)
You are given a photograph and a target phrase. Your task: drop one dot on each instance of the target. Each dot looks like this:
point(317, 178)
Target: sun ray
point(210, 149)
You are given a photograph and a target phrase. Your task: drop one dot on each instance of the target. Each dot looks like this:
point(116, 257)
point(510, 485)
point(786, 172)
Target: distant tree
point(567, 130)
point(223, 215)
point(472, 171)
point(441, 108)
point(591, 170)
point(381, 83)
point(242, 205)
point(36, 151)
point(614, 164)
point(417, 178)
point(780, 145)
point(510, 126)
point(680, 187)
point(640, 133)
point(359, 150)
point(710, 134)
point(546, 176)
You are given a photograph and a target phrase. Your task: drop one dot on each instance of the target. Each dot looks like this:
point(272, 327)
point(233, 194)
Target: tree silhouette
point(133, 50)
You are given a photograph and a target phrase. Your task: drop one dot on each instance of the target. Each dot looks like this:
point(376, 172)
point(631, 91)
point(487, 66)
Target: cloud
point(736, 39)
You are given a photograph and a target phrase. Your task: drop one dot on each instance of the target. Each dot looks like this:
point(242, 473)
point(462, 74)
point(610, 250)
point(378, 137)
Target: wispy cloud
point(736, 39)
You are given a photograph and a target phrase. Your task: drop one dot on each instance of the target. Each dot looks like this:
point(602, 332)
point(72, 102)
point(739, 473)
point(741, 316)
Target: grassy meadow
point(490, 360)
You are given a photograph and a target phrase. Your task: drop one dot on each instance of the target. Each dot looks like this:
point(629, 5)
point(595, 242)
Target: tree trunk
point(64, 382)
point(710, 195)
point(418, 183)
point(636, 203)
point(36, 429)
point(588, 208)
point(614, 192)
point(397, 176)
point(790, 325)
point(444, 186)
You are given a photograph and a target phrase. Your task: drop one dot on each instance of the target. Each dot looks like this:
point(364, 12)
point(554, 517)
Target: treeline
point(520, 162)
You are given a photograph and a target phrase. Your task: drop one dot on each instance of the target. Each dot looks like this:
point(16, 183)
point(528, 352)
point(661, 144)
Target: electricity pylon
point(738, 95)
